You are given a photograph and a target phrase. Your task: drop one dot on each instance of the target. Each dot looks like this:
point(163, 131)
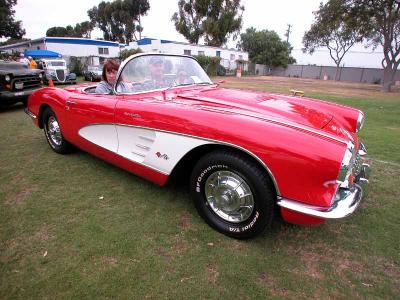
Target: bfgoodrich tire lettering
point(232, 194)
point(53, 133)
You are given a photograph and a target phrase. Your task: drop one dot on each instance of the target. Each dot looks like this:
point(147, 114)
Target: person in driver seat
point(108, 77)
point(156, 79)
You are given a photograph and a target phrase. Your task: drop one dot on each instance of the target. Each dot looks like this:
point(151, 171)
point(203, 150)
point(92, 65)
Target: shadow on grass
point(11, 108)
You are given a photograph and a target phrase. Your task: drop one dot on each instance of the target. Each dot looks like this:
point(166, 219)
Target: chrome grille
point(60, 75)
point(357, 165)
point(28, 81)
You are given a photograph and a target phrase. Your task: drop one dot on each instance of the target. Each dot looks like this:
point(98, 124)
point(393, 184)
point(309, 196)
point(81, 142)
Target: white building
point(67, 47)
point(229, 57)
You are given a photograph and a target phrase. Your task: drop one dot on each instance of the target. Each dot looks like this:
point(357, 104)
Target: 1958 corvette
point(250, 155)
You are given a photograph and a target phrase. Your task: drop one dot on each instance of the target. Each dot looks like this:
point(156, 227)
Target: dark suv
point(17, 82)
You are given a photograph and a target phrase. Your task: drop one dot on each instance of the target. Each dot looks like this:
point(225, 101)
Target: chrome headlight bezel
point(360, 121)
point(346, 164)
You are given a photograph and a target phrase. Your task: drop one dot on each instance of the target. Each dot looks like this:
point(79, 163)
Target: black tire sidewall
point(256, 179)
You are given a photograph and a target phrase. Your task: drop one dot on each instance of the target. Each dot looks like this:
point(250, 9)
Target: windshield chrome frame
point(126, 61)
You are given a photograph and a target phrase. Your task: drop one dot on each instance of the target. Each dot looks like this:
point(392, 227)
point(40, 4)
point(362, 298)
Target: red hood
point(277, 107)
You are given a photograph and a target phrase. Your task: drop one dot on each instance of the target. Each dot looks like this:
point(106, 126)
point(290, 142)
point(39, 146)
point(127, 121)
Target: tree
point(82, 30)
point(223, 19)
point(124, 54)
point(188, 20)
point(60, 31)
point(266, 47)
point(216, 20)
point(379, 21)
point(119, 20)
point(8, 26)
point(334, 29)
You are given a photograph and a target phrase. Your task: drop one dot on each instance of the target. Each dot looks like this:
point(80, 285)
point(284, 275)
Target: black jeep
point(17, 82)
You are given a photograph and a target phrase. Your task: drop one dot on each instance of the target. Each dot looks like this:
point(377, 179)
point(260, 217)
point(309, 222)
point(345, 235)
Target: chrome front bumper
point(31, 114)
point(346, 200)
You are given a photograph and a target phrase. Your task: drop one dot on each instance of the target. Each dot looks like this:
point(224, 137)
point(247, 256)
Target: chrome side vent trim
point(139, 154)
point(146, 138)
point(142, 147)
point(135, 143)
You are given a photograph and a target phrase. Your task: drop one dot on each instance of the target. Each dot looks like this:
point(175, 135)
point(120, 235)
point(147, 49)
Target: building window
point(218, 53)
point(38, 47)
point(103, 51)
point(201, 53)
point(187, 52)
point(232, 56)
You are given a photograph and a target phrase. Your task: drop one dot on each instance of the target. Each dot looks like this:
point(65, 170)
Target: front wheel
point(232, 194)
point(53, 133)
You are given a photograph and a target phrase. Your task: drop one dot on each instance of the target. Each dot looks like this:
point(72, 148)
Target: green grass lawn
point(75, 227)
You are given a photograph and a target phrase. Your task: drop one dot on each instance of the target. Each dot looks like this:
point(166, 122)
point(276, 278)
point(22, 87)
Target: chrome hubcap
point(229, 196)
point(53, 131)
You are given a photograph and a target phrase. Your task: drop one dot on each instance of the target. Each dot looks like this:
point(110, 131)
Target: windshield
point(55, 63)
point(95, 68)
point(152, 72)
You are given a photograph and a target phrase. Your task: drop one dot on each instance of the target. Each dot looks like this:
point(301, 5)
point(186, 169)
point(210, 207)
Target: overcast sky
point(38, 15)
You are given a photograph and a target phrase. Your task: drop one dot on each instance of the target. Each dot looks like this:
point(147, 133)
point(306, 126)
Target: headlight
point(40, 75)
point(360, 121)
point(7, 78)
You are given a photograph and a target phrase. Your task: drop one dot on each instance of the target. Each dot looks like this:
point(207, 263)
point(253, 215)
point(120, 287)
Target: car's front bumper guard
point(345, 202)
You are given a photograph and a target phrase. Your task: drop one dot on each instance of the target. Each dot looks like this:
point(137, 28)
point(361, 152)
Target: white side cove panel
point(104, 136)
point(155, 149)
point(135, 143)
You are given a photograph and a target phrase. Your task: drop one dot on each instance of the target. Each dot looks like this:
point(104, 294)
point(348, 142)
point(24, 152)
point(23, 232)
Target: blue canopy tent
point(42, 54)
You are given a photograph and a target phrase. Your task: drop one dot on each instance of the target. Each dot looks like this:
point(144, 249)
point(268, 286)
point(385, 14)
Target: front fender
point(52, 97)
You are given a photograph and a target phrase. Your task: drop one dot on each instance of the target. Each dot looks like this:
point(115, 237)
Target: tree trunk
point(337, 73)
point(388, 77)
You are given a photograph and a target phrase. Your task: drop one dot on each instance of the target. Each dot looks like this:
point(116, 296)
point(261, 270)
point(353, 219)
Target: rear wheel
point(53, 133)
point(232, 194)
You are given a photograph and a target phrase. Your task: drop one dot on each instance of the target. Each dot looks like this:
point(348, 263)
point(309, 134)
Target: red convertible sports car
point(249, 155)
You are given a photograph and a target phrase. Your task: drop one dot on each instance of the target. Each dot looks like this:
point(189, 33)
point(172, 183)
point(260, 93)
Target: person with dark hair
point(108, 77)
point(156, 79)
